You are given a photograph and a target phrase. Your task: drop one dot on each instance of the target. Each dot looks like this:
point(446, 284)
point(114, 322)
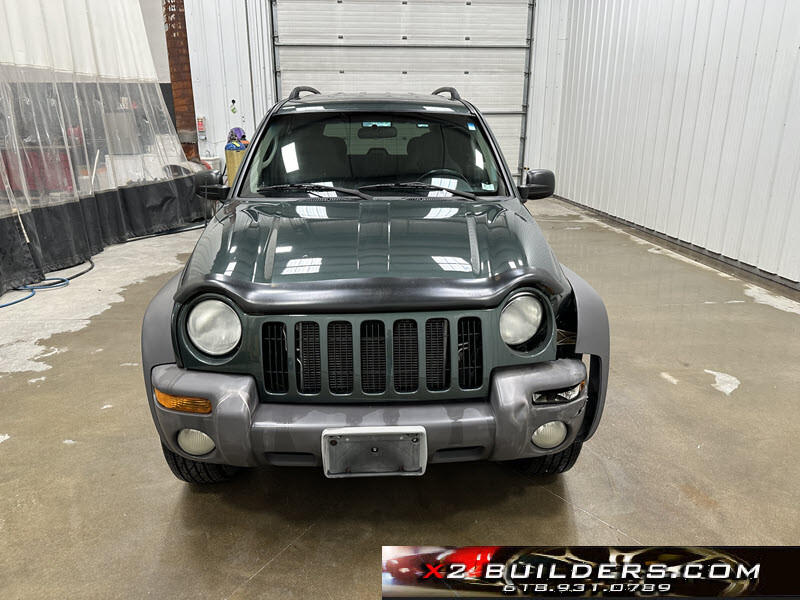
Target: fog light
point(549, 435)
point(195, 442)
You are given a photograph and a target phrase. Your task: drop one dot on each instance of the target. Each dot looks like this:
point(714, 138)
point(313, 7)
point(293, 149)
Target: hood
point(274, 244)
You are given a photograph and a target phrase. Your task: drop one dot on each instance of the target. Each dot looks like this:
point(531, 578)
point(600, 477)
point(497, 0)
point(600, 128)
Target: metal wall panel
point(547, 70)
point(231, 59)
point(680, 116)
point(261, 55)
point(480, 47)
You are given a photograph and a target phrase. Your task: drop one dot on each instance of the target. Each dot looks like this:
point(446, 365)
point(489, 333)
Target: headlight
point(520, 320)
point(214, 327)
point(559, 395)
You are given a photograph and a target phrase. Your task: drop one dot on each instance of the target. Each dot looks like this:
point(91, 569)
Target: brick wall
point(181, 75)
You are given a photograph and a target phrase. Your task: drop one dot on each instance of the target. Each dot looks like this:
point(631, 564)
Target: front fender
point(593, 339)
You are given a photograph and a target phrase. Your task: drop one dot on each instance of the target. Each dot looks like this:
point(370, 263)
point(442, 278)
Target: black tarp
point(65, 235)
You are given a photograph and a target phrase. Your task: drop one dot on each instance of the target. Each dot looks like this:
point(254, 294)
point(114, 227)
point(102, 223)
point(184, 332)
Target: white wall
point(222, 57)
point(549, 46)
point(681, 116)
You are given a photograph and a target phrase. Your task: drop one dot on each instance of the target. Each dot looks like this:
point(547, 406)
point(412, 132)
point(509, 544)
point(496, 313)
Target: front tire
point(560, 462)
point(194, 471)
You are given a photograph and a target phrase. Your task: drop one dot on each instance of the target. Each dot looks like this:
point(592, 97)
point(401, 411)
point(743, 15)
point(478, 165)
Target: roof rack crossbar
point(295, 93)
point(454, 95)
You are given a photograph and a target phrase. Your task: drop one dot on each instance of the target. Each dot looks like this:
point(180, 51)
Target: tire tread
point(194, 471)
point(560, 462)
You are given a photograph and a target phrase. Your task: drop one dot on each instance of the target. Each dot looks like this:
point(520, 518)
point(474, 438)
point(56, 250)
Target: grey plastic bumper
point(249, 433)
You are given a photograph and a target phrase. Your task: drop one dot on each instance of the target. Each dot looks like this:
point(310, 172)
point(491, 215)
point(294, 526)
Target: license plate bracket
point(374, 451)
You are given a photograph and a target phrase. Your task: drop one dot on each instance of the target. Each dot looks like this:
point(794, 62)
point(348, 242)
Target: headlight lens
point(520, 320)
point(214, 327)
point(559, 396)
point(573, 392)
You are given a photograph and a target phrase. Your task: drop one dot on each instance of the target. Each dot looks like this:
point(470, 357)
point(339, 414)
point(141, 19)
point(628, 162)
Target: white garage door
point(479, 47)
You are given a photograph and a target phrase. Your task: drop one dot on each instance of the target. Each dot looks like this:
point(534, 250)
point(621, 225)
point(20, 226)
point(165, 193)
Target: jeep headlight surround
point(521, 319)
point(214, 327)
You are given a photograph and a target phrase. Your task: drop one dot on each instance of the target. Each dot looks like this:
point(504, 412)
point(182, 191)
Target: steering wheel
point(435, 172)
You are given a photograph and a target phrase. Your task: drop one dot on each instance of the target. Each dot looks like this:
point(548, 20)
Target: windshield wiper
point(418, 185)
point(313, 187)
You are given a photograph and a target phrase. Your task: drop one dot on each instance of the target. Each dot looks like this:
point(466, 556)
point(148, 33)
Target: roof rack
point(295, 93)
point(454, 95)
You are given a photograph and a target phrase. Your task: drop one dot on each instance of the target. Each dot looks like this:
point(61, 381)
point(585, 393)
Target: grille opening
point(405, 347)
point(276, 363)
point(340, 357)
point(373, 357)
point(470, 353)
point(437, 354)
point(307, 357)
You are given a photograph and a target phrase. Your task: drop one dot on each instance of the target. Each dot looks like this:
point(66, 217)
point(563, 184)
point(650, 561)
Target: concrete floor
point(89, 509)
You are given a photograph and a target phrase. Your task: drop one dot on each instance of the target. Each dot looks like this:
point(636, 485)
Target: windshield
point(352, 150)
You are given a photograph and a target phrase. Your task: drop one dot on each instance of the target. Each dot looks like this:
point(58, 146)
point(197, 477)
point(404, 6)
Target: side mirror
point(539, 183)
point(208, 185)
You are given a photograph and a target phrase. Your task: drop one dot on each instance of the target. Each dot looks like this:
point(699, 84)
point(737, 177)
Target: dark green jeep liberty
point(373, 296)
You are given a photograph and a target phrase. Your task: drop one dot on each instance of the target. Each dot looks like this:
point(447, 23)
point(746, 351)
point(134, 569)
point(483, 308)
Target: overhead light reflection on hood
point(441, 213)
point(452, 263)
point(298, 266)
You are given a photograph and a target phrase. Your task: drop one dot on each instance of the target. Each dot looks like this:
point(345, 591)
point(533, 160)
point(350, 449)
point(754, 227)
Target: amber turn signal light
point(184, 403)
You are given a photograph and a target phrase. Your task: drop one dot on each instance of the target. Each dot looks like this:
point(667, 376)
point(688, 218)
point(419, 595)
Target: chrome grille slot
point(373, 357)
point(437, 354)
point(307, 357)
point(405, 347)
point(340, 357)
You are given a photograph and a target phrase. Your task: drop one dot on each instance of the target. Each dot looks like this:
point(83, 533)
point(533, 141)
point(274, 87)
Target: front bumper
point(250, 433)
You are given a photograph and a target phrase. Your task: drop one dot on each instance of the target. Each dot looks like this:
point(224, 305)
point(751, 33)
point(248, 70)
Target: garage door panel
point(481, 90)
point(362, 70)
point(506, 129)
point(501, 60)
point(444, 22)
point(358, 46)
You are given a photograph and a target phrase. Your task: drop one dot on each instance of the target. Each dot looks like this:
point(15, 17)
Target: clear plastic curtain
point(89, 155)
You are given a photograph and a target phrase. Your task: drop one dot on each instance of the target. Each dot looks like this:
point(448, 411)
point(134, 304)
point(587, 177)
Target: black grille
point(470, 353)
point(340, 357)
point(276, 365)
point(309, 365)
point(437, 354)
point(373, 357)
point(406, 356)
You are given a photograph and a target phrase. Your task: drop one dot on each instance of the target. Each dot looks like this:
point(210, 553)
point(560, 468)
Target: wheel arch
point(593, 338)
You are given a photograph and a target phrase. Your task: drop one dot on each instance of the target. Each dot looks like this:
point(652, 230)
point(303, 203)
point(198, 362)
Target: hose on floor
point(59, 282)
